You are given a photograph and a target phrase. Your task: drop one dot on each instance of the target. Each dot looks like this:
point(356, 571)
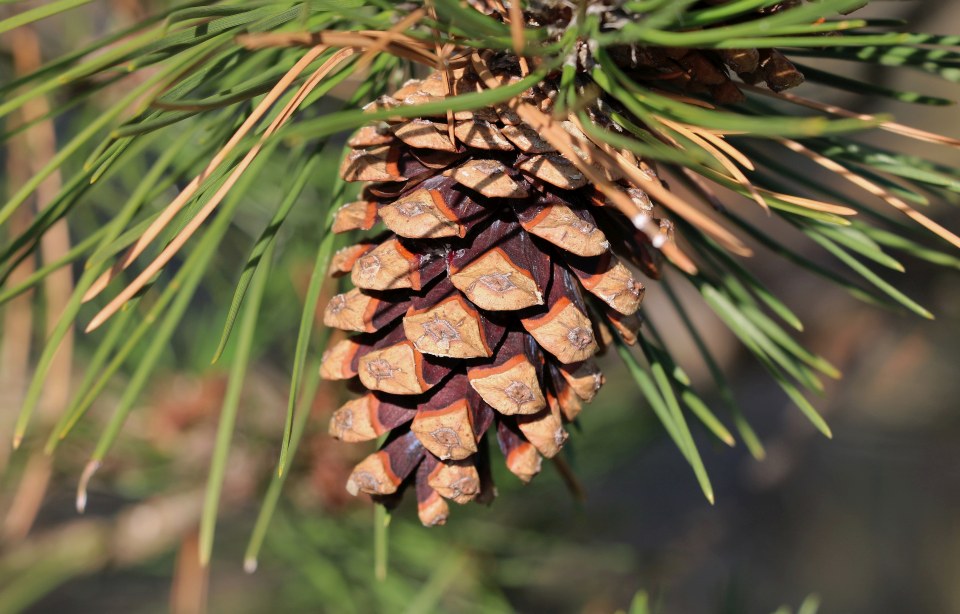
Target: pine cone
point(481, 308)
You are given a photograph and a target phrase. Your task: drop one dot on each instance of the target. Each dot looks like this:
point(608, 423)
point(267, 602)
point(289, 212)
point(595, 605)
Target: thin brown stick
point(37, 145)
point(721, 143)
point(516, 35)
point(40, 145)
point(516, 27)
point(27, 498)
point(569, 478)
point(17, 328)
point(383, 40)
point(810, 203)
point(188, 588)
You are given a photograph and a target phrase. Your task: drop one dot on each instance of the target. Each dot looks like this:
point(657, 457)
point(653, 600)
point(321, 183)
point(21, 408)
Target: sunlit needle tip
point(94, 324)
point(88, 472)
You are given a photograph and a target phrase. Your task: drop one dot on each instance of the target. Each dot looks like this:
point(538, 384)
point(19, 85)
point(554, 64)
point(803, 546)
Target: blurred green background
point(867, 521)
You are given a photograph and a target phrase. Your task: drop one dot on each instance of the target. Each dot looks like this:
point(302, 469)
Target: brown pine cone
point(499, 278)
point(472, 311)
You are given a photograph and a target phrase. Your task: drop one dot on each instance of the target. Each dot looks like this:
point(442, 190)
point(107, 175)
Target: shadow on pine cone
point(502, 273)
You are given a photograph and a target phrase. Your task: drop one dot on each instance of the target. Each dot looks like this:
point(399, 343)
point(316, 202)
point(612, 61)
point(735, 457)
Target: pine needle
point(181, 238)
point(707, 142)
point(874, 189)
point(889, 126)
point(191, 188)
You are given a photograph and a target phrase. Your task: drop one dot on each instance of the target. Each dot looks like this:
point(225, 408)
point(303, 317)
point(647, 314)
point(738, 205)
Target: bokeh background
point(867, 521)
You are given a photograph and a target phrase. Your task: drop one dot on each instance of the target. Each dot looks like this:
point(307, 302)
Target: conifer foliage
point(505, 268)
point(517, 176)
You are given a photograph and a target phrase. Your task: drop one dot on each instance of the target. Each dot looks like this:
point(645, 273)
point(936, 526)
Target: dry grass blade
point(707, 141)
point(190, 190)
point(378, 44)
point(174, 246)
point(701, 185)
point(391, 38)
point(393, 42)
point(717, 140)
point(874, 189)
point(894, 127)
point(656, 190)
point(812, 204)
